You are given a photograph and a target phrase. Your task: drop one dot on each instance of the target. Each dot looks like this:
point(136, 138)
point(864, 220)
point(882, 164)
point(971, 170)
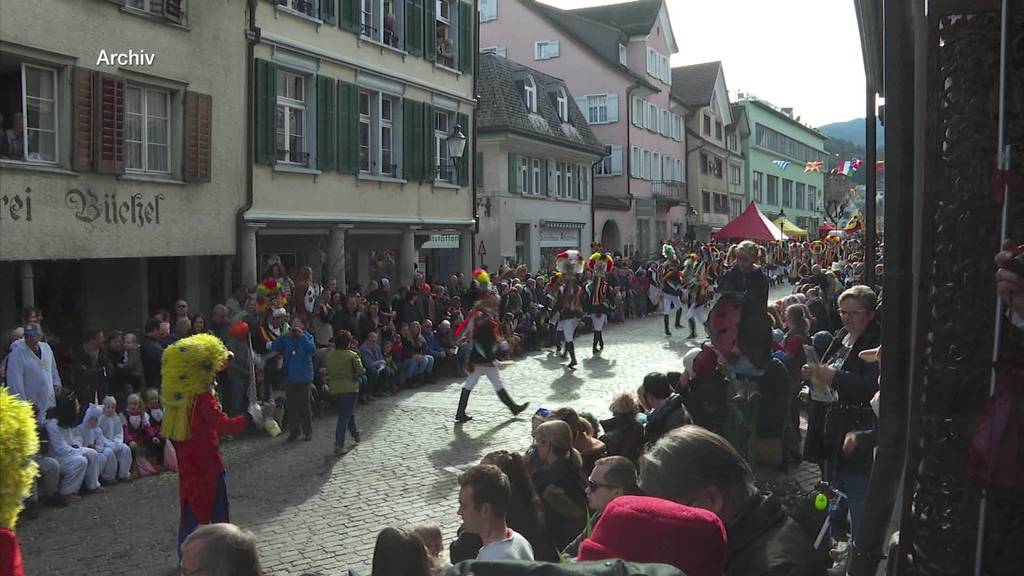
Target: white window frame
point(558, 179)
point(156, 7)
point(645, 164)
point(365, 119)
point(530, 93)
point(546, 49)
point(488, 10)
point(706, 123)
point(663, 123)
point(54, 103)
point(441, 159)
point(652, 62)
point(562, 103)
point(291, 104)
point(583, 183)
point(569, 169)
point(651, 117)
point(377, 124)
point(523, 173)
point(535, 183)
point(656, 166)
point(610, 165)
point(639, 111)
point(144, 121)
point(623, 54)
point(596, 104)
point(732, 168)
point(438, 12)
point(634, 162)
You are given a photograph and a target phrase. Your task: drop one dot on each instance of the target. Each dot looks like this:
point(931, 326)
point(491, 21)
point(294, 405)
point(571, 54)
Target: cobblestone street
point(314, 512)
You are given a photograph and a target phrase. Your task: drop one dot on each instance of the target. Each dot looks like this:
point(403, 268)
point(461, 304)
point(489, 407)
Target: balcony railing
point(668, 188)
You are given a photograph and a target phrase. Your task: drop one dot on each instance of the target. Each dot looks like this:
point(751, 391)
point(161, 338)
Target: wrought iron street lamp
point(456, 144)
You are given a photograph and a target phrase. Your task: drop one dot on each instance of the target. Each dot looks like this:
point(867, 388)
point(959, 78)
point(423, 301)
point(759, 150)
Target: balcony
point(668, 193)
point(713, 219)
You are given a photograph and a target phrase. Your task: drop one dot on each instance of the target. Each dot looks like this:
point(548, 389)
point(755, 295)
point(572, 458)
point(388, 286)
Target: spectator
point(268, 361)
point(433, 541)
point(559, 483)
point(238, 301)
point(12, 145)
point(1010, 282)
point(112, 428)
point(624, 433)
point(152, 353)
point(696, 467)
point(652, 530)
point(199, 324)
point(399, 553)
point(155, 413)
point(32, 371)
point(703, 386)
point(92, 438)
point(322, 316)
point(484, 495)
point(219, 324)
point(181, 312)
point(348, 317)
point(415, 361)
point(183, 329)
point(297, 349)
point(140, 435)
point(92, 369)
point(665, 409)
point(240, 376)
point(446, 341)
point(378, 373)
point(220, 550)
point(343, 369)
point(79, 466)
point(442, 359)
point(127, 367)
point(613, 476)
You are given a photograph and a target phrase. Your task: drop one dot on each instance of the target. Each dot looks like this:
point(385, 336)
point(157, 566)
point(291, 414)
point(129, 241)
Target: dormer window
point(530, 93)
point(563, 104)
point(622, 55)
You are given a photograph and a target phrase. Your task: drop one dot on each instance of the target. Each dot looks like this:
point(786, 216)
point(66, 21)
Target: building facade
point(778, 149)
point(353, 103)
point(122, 165)
point(716, 163)
point(614, 59)
point(537, 152)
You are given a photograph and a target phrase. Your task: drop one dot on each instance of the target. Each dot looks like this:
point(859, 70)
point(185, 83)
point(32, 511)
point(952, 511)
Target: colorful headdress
point(19, 440)
point(600, 263)
point(188, 368)
point(270, 293)
point(668, 252)
point(483, 279)
point(569, 262)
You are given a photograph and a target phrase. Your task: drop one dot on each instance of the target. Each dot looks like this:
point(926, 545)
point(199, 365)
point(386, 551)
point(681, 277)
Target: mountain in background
point(851, 131)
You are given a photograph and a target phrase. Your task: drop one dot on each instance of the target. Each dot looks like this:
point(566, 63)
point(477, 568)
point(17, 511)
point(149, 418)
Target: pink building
point(615, 61)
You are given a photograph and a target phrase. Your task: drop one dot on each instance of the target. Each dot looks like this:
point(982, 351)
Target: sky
point(803, 54)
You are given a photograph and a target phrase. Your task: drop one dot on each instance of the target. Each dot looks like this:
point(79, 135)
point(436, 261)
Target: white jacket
point(33, 377)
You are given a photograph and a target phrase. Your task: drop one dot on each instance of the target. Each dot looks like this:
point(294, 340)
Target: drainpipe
point(593, 211)
point(473, 143)
point(252, 37)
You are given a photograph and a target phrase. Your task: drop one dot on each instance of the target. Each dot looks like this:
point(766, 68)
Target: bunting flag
point(843, 167)
point(813, 166)
point(854, 225)
point(856, 163)
point(782, 164)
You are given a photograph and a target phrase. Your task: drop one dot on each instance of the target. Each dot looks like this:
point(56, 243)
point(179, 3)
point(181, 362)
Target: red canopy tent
point(825, 228)
point(751, 225)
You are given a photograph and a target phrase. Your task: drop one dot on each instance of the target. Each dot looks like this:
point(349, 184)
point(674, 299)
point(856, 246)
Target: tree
point(838, 199)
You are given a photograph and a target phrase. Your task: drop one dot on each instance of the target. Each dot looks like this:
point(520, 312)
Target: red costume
point(199, 461)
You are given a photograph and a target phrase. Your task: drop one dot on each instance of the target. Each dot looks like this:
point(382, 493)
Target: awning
point(560, 224)
point(790, 229)
point(751, 225)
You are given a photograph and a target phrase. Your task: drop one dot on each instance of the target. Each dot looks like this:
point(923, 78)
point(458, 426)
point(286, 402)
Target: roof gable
point(694, 85)
point(634, 18)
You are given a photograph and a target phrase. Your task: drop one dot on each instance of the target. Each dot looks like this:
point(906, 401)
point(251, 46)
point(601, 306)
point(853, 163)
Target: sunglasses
point(593, 486)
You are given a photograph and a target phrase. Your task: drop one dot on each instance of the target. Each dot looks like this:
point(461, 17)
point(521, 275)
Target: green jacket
point(343, 370)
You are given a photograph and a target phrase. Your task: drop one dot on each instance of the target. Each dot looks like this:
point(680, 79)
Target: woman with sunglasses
point(559, 483)
point(844, 385)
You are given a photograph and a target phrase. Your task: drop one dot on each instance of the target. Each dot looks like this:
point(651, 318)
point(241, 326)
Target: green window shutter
point(329, 11)
point(412, 112)
point(414, 27)
point(266, 110)
point(429, 30)
point(326, 124)
point(426, 139)
point(467, 48)
point(348, 128)
point(349, 14)
point(513, 182)
point(466, 159)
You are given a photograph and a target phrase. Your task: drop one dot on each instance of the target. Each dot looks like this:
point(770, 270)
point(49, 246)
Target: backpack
point(524, 568)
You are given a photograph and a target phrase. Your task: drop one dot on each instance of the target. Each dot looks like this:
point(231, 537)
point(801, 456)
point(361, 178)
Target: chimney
point(788, 112)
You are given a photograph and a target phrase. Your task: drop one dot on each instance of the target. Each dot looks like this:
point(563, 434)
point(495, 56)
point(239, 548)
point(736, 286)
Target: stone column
point(247, 252)
point(362, 266)
point(336, 256)
point(28, 289)
point(466, 252)
point(407, 256)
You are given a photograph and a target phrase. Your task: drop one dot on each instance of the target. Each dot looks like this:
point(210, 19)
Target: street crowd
point(669, 462)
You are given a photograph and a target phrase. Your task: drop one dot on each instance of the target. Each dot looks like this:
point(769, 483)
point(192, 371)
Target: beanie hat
point(688, 359)
point(652, 530)
point(706, 362)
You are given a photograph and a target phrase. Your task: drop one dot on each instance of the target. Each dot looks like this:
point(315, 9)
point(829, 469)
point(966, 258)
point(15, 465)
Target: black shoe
point(512, 406)
point(460, 415)
point(693, 328)
point(667, 333)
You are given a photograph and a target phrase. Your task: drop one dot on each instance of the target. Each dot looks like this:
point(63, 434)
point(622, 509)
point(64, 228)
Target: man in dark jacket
point(749, 284)
point(92, 369)
point(697, 467)
point(819, 311)
point(152, 353)
point(665, 409)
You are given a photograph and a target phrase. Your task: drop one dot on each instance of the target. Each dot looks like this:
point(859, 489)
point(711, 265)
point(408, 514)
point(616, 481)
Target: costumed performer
point(670, 279)
point(481, 331)
point(698, 292)
point(19, 441)
point(194, 422)
point(598, 293)
point(569, 300)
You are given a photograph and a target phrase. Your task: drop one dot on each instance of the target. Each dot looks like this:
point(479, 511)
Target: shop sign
point(91, 209)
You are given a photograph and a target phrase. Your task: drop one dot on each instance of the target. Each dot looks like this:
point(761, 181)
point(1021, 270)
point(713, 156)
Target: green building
point(776, 137)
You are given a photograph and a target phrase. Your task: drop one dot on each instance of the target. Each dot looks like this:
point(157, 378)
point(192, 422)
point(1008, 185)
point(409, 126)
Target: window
point(536, 177)
point(545, 50)
point(597, 109)
point(705, 201)
point(757, 187)
point(524, 176)
point(677, 127)
point(651, 120)
point(773, 190)
point(734, 174)
point(175, 11)
point(377, 129)
point(634, 162)
point(562, 103)
point(291, 118)
point(623, 55)
point(530, 93)
point(655, 166)
point(721, 204)
point(148, 130)
point(718, 168)
point(710, 165)
point(812, 197)
point(611, 165)
point(558, 179)
point(732, 141)
point(652, 62)
point(645, 165)
point(769, 139)
point(707, 125)
point(444, 167)
point(488, 10)
point(735, 207)
point(801, 194)
point(638, 112)
point(787, 193)
point(583, 182)
point(704, 163)
point(663, 123)
point(32, 92)
point(443, 10)
point(718, 129)
point(570, 192)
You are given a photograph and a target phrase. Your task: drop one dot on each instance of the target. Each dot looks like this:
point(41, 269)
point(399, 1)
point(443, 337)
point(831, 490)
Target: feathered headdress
point(483, 279)
point(270, 293)
point(668, 251)
point(19, 440)
point(188, 368)
point(569, 262)
point(600, 263)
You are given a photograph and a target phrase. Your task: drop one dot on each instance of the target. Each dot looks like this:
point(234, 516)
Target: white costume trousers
point(96, 463)
point(73, 469)
point(568, 328)
point(121, 455)
point(492, 374)
point(669, 303)
point(108, 472)
point(598, 320)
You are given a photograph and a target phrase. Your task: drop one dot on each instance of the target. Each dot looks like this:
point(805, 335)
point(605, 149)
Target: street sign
point(481, 250)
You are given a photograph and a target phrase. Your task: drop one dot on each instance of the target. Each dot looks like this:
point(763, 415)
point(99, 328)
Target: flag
point(782, 164)
point(856, 163)
point(854, 225)
point(842, 167)
point(813, 166)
